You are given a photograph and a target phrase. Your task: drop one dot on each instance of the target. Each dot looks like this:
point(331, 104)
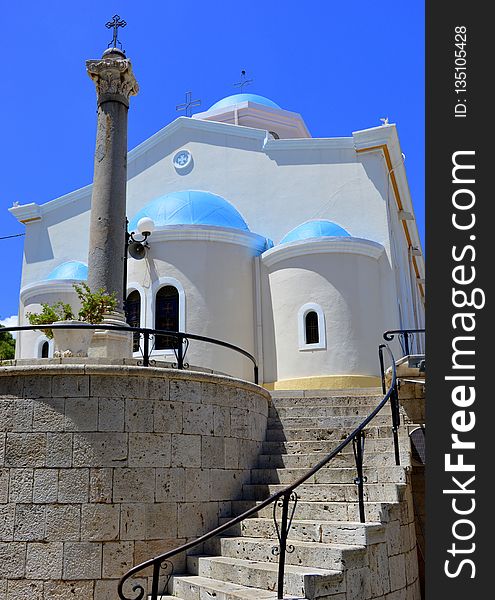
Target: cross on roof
point(115, 24)
point(188, 104)
point(241, 84)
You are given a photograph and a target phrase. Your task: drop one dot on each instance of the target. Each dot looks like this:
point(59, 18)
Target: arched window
point(133, 315)
point(311, 328)
point(45, 349)
point(166, 316)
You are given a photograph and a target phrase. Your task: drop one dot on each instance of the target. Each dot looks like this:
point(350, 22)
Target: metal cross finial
point(241, 84)
point(188, 104)
point(115, 24)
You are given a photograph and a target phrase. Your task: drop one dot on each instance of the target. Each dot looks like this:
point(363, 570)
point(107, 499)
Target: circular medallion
point(182, 159)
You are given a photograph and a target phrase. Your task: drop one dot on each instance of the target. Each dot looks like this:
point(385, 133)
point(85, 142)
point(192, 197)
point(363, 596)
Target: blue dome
point(314, 229)
point(191, 207)
point(72, 269)
point(238, 98)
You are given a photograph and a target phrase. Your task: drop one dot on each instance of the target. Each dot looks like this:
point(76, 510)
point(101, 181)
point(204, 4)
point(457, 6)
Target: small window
point(133, 315)
point(311, 324)
point(45, 349)
point(311, 327)
point(166, 316)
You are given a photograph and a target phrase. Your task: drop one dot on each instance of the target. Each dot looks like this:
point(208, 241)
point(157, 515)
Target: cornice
point(47, 286)
point(208, 233)
point(328, 245)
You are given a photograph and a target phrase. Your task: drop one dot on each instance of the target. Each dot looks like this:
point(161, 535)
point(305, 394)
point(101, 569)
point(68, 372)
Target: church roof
point(190, 207)
point(238, 98)
point(315, 229)
point(72, 269)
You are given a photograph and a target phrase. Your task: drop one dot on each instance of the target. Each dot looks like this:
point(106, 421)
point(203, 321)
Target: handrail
point(287, 495)
point(389, 335)
point(180, 336)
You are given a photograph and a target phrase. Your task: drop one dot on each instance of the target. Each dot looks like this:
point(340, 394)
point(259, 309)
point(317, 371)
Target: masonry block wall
point(104, 467)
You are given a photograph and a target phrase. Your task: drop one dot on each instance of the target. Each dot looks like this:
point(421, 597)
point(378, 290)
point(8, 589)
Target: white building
point(300, 250)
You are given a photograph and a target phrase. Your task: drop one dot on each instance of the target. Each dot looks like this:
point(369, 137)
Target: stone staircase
point(335, 557)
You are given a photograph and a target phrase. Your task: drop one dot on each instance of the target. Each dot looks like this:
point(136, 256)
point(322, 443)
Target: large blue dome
point(191, 207)
point(314, 229)
point(71, 269)
point(238, 98)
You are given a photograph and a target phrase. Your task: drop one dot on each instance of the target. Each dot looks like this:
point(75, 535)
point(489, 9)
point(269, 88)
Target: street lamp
point(136, 248)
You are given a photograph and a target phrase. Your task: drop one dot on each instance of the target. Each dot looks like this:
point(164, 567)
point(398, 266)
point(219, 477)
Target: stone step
point(393, 474)
point(194, 587)
point(344, 459)
point(342, 400)
point(323, 433)
point(327, 492)
point(321, 511)
point(299, 581)
point(325, 422)
point(360, 534)
point(325, 446)
point(328, 393)
point(284, 412)
point(332, 556)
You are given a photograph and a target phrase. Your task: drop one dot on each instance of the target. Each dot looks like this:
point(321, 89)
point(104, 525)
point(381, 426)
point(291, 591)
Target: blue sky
point(342, 65)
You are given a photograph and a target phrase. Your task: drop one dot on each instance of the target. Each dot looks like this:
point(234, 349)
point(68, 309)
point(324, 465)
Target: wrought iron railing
point(285, 499)
point(178, 340)
point(407, 338)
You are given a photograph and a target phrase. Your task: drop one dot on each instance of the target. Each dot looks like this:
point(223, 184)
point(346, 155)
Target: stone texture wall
point(104, 467)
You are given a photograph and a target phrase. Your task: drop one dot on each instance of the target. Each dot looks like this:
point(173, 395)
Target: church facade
point(300, 250)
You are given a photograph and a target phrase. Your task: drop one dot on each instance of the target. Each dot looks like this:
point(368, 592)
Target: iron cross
point(241, 84)
point(188, 104)
point(115, 24)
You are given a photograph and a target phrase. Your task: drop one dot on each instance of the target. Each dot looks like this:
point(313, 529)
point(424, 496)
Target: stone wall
point(104, 467)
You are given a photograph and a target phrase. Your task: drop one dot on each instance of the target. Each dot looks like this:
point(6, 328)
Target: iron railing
point(285, 499)
point(180, 341)
point(405, 336)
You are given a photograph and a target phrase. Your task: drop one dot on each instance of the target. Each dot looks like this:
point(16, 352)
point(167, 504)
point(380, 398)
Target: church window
point(311, 327)
point(45, 349)
point(133, 315)
point(312, 335)
point(166, 316)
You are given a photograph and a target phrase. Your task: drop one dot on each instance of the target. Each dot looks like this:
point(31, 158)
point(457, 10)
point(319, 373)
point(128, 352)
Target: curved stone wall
point(104, 467)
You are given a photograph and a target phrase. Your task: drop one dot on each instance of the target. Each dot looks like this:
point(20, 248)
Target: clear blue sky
point(342, 65)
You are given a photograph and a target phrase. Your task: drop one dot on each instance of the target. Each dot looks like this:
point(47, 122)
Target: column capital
point(113, 78)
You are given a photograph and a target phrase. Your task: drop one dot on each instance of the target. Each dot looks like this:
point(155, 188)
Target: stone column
point(115, 83)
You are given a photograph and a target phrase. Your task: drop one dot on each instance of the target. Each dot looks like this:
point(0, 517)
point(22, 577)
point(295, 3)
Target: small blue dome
point(314, 229)
point(191, 207)
point(238, 98)
point(71, 269)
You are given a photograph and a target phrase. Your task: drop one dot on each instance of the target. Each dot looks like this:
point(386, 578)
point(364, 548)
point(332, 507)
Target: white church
point(300, 250)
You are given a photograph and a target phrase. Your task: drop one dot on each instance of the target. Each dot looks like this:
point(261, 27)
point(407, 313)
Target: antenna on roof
point(244, 82)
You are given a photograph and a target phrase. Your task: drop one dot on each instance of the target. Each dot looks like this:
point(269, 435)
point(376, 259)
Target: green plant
point(50, 313)
point(94, 304)
point(7, 345)
point(93, 307)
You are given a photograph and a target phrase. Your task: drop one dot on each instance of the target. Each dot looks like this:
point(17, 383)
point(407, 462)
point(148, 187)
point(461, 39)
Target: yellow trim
point(388, 160)
point(32, 219)
point(327, 382)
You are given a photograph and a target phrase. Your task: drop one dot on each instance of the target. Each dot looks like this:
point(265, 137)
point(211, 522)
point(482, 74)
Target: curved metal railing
point(180, 340)
point(406, 336)
point(281, 499)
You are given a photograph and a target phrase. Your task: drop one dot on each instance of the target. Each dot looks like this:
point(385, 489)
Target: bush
point(7, 345)
point(93, 307)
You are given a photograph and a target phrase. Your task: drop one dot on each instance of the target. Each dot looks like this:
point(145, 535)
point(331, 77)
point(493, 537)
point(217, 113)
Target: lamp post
point(136, 248)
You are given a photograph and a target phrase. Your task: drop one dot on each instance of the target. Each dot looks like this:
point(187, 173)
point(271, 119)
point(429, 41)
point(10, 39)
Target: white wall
point(217, 279)
point(353, 291)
